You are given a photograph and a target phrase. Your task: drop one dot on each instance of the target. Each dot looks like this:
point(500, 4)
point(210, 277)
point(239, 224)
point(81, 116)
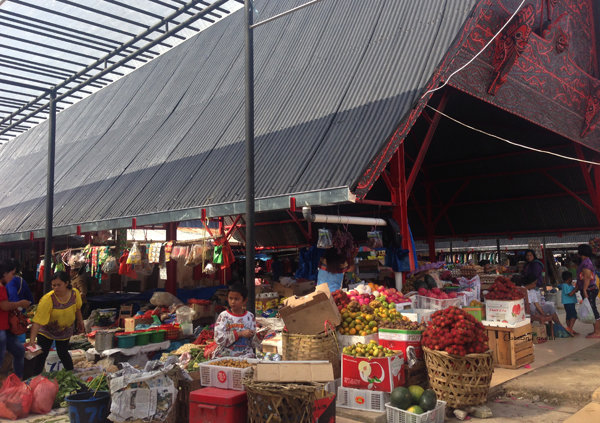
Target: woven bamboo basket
point(460, 381)
point(281, 402)
point(313, 347)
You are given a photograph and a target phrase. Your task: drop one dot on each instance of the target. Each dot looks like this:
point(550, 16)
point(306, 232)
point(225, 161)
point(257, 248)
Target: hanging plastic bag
point(374, 239)
point(218, 254)
point(44, 392)
point(16, 398)
point(586, 315)
point(135, 255)
point(324, 240)
point(110, 266)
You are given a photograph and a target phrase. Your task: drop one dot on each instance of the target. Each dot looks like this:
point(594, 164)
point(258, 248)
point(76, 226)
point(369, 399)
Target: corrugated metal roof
point(332, 83)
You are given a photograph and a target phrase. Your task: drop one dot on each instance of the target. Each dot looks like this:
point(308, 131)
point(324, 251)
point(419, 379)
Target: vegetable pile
point(68, 384)
point(504, 289)
point(456, 332)
point(99, 383)
point(204, 336)
point(238, 364)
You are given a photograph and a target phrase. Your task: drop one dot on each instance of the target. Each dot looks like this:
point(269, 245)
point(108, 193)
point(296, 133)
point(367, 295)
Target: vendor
point(533, 267)
point(54, 321)
point(331, 270)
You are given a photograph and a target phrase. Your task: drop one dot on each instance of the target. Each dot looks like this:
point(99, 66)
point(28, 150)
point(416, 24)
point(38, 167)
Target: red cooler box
point(214, 405)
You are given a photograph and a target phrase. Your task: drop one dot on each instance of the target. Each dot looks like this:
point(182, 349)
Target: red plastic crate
point(214, 405)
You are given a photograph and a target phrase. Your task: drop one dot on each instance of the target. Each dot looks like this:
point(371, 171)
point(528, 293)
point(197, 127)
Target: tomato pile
point(504, 289)
point(456, 332)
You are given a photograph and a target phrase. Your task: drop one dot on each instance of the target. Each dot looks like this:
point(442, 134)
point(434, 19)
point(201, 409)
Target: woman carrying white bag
point(586, 283)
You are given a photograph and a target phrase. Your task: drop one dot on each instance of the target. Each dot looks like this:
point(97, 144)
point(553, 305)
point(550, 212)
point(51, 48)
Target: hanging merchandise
point(344, 244)
point(135, 255)
point(168, 250)
point(209, 269)
point(374, 239)
point(154, 252)
point(196, 256)
point(218, 254)
point(110, 265)
point(180, 252)
point(162, 272)
point(324, 239)
point(227, 254)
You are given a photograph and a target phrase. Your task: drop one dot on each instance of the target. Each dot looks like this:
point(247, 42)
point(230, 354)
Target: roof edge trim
point(280, 202)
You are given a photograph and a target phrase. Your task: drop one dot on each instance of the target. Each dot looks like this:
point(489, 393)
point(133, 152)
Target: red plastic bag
point(44, 392)
point(16, 397)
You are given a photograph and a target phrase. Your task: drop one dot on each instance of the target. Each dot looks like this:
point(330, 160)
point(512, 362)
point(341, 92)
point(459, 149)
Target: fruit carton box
point(510, 312)
point(347, 340)
point(402, 340)
point(375, 374)
point(225, 377)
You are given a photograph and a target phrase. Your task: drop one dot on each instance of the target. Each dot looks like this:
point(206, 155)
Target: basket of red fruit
point(459, 363)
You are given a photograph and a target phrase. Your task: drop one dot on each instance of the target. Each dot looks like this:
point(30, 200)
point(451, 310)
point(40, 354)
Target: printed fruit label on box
point(407, 341)
point(510, 312)
point(377, 374)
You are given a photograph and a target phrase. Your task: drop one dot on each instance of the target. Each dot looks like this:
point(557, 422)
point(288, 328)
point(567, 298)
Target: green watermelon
point(416, 391)
point(415, 409)
point(428, 400)
point(401, 398)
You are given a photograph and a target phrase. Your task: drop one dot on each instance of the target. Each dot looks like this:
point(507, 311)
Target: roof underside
point(333, 81)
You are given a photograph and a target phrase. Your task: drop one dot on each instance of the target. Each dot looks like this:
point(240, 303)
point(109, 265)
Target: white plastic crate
point(418, 315)
point(436, 303)
point(466, 297)
point(224, 377)
point(404, 305)
point(333, 385)
point(396, 415)
point(361, 399)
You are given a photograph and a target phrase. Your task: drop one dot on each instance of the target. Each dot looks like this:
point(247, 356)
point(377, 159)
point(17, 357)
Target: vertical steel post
point(171, 283)
point(430, 225)
point(249, 9)
point(50, 191)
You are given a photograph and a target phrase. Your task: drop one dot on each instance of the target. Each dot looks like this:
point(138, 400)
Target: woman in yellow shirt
point(54, 320)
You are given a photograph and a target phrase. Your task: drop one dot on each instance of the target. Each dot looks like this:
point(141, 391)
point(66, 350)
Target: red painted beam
point(569, 191)
point(233, 226)
point(281, 247)
point(419, 210)
point(375, 202)
point(452, 200)
point(425, 145)
point(306, 235)
point(588, 181)
point(387, 180)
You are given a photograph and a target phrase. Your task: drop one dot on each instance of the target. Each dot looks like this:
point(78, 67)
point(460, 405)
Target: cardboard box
point(510, 312)
point(129, 324)
point(307, 315)
point(298, 288)
point(402, 340)
point(377, 374)
point(294, 371)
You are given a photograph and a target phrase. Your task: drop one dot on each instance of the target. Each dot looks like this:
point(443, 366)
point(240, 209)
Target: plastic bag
point(16, 398)
point(135, 255)
point(164, 299)
point(586, 315)
point(324, 239)
point(374, 239)
point(195, 256)
point(110, 266)
point(44, 392)
point(185, 314)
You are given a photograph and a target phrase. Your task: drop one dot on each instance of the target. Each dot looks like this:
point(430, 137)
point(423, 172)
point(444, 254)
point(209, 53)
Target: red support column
point(400, 199)
point(171, 284)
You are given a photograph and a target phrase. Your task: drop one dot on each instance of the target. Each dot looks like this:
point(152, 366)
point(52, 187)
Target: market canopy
point(332, 84)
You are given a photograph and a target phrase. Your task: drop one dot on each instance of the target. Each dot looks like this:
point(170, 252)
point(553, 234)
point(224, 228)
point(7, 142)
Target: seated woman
point(540, 309)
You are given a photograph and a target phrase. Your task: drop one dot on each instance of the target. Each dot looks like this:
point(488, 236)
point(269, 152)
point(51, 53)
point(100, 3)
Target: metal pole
point(249, 9)
point(50, 191)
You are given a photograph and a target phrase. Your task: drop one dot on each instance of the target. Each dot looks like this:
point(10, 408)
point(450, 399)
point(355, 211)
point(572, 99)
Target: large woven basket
point(460, 381)
point(281, 402)
point(313, 347)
